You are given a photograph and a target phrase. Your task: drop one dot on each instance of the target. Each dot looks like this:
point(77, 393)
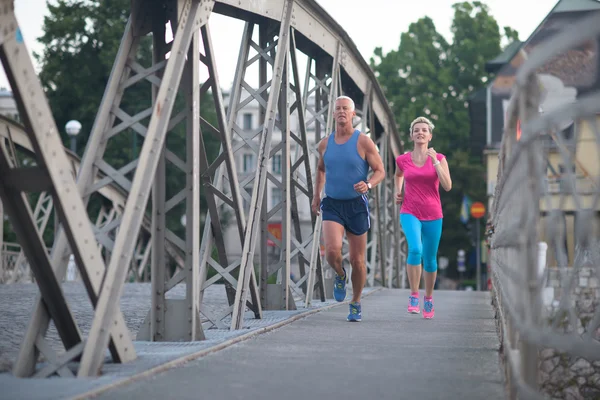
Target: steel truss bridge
point(129, 232)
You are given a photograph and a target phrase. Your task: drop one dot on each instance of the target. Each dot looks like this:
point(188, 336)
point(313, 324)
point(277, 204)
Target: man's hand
point(361, 187)
point(433, 154)
point(316, 204)
point(399, 197)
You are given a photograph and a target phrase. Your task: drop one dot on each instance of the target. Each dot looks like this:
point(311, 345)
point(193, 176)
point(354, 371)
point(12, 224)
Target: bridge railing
point(545, 271)
point(10, 254)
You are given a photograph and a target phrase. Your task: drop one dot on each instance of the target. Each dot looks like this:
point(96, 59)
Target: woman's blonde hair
point(422, 120)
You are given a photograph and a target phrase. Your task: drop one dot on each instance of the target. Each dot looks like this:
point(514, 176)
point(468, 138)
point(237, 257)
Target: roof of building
point(562, 6)
point(5, 93)
point(576, 5)
point(509, 52)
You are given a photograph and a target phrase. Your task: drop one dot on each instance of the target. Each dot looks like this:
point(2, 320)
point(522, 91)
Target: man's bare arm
point(319, 178)
point(374, 159)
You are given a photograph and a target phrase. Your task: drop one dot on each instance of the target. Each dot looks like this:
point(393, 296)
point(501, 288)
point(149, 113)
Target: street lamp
point(73, 128)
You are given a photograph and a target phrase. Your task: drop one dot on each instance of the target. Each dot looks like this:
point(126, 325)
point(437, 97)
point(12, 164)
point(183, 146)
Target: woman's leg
point(432, 233)
point(412, 230)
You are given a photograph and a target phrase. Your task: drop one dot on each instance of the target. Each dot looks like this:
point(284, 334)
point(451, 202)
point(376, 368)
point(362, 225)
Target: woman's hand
point(433, 154)
point(399, 197)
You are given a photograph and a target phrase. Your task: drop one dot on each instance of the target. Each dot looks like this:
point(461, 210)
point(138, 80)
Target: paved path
point(16, 303)
point(389, 355)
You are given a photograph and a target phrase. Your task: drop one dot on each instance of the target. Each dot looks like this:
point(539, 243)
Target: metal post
point(528, 110)
point(324, 98)
point(286, 213)
point(302, 153)
point(222, 187)
point(477, 252)
point(2, 256)
point(488, 112)
point(194, 146)
point(158, 256)
point(108, 301)
point(52, 164)
point(252, 227)
point(264, 39)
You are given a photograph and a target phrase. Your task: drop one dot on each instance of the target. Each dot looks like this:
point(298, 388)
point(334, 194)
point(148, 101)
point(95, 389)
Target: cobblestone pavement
point(16, 302)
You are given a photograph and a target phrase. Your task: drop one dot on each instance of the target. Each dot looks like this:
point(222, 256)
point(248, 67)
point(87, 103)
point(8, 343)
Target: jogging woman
point(421, 172)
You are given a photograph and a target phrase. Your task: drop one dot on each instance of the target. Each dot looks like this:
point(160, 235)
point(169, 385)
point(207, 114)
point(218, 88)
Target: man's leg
point(357, 245)
point(359, 223)
point(333, 233)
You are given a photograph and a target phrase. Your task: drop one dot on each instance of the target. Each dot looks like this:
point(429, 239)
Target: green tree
point(411, 76)
point(428, 76)
point(81, 39)
point(510, 34)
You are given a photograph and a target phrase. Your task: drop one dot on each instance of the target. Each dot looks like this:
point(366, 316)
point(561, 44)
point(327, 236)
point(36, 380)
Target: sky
point(379, 23)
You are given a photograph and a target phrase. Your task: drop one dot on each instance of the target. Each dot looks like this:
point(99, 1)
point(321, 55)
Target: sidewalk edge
point(213, 349)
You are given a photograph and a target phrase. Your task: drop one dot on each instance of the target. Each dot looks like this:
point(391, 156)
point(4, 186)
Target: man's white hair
point(347, 98)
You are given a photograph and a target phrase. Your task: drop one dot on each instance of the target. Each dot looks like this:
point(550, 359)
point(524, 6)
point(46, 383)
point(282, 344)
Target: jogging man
point(345, 158)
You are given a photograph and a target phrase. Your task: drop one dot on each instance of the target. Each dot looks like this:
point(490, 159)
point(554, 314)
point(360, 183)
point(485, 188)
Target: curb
point(204, 352)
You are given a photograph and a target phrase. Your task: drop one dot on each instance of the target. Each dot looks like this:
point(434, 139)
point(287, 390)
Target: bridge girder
point(285, 29)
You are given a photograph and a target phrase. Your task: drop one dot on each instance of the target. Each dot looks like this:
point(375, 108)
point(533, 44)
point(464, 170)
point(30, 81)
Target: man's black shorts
point(352, 214)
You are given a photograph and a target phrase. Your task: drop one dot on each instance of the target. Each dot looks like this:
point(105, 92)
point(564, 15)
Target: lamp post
point(73, 128)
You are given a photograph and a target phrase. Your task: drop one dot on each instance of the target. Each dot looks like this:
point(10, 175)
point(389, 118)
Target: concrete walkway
point(389, 355)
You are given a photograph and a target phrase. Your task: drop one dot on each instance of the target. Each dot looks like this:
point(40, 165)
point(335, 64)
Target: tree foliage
point(510, 34)
point(81, 39)
point(427, 76)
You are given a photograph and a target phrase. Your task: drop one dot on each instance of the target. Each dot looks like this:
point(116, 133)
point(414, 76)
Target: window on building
point(276, 196)
point(276, 164)
point(248, 162)
point(247, 121)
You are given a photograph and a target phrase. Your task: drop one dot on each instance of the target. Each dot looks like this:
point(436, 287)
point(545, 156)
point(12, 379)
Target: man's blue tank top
point(344, 168)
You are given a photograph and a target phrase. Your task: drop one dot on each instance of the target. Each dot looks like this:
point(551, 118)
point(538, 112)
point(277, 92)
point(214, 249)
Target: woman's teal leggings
point(423, 238)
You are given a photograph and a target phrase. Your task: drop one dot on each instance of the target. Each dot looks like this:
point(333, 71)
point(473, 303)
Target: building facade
point(563, 79)
point(246, 138)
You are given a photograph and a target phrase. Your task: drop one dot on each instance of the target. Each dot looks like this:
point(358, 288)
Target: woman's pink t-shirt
point(421, 188)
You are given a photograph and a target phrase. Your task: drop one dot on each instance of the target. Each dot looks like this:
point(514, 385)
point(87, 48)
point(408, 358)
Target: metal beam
point(194, 15)
point(252, 226)
point(324, 98)
point(21, 217)
point(50, 155)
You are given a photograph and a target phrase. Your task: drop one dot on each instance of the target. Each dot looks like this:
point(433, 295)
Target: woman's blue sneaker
point(355, 313)
point(339, 287)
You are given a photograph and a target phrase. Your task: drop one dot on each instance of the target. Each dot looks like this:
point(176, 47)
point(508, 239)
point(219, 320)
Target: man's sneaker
point(339, 287)
point(413, 305)
point(428, 310)
point(355, 313)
